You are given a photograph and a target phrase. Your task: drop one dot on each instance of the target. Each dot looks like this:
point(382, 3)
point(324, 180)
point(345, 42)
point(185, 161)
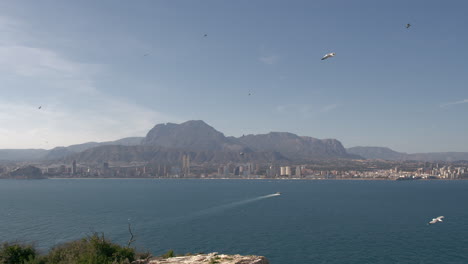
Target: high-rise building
point(74, 167)
point(298, 172)
point(282, 171)
point(186, 164)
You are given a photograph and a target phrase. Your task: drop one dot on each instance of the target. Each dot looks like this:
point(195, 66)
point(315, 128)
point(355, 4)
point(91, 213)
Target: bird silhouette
point(328, 55)
point(435, 220)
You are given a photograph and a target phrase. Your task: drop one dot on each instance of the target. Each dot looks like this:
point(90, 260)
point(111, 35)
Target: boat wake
point(224, 207)
point(212, 210)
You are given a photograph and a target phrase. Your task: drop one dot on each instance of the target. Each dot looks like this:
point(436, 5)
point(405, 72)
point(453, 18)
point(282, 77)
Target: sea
point(312, 221)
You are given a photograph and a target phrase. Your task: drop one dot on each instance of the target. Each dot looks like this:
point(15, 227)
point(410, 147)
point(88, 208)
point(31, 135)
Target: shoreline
point(277, 179)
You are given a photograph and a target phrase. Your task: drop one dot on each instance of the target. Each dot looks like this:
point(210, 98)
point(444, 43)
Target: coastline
point(268, 179)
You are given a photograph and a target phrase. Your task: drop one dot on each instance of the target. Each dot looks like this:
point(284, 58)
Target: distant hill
point(440, 156)
point(61, 152)
point(389, 154)
point(377, 153)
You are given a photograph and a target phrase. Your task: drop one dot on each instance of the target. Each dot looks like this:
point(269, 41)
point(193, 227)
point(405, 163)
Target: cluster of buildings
point(242, 170)
point(445, 172)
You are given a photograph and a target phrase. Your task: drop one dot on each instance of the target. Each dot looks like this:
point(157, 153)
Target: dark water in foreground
point(311, 222)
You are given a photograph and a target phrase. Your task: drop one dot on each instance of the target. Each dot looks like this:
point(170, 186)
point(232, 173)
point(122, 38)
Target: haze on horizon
point(104, 70)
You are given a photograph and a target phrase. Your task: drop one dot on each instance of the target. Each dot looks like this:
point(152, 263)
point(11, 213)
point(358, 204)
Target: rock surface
point(209, 259)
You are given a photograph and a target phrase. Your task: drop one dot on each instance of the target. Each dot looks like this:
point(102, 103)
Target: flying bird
point(206, 35)
point(329, 55)
point(39, 107)
point(435, 220)
point(408, 25)
point(145, 55)
point(242, 153)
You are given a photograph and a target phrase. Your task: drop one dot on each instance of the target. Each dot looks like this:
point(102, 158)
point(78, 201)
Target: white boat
point(277, 193)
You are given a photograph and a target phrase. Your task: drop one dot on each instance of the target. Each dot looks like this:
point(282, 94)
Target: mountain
point(296, 147)
point(158, 154)
point(193, 135)
point(377, 153)
point(207, 144)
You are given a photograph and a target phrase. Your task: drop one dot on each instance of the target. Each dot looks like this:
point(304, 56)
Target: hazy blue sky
point(84, 62)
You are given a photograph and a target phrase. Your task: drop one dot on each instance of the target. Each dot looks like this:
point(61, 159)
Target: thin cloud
point(454, 103)
point(73, 110)
point(328, 108)
point(269, 60)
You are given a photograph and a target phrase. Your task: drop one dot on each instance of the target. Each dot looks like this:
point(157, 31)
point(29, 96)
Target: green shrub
point(168, 254)
point(17, 253)
point(92, 250)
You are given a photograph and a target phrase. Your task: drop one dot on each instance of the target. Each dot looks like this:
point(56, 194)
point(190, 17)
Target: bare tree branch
point(131, 240)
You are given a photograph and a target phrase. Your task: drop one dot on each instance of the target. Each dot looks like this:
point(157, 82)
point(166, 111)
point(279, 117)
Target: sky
point(104, 70)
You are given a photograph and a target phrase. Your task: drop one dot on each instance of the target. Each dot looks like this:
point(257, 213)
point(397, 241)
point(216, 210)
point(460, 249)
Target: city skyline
point(78, 72)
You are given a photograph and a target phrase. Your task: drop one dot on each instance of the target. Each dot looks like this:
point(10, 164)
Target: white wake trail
point(224, 207)
point(212, 210)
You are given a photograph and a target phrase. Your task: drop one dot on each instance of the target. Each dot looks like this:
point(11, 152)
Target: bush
point(168, 254)
point(17, 253)
point(92, 250)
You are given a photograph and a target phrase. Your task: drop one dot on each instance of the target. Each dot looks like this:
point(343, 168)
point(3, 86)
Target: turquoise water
point(311, 222)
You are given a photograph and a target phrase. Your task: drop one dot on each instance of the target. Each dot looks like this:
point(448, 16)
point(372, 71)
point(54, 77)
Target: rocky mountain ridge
point(208, 144)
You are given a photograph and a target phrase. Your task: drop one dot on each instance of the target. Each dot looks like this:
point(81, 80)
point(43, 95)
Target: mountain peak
point(190, 135)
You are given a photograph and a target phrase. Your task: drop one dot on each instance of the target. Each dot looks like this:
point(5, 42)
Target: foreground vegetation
point(95, 249)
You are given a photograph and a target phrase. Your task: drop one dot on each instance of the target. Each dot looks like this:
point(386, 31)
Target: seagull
point(206, 35)
point(329, 55)
point(435, 220)
point(408, 25)
point(146, 54)
point(242, 153)
point(39, 107)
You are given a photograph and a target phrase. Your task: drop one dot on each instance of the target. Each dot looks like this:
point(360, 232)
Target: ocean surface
point(314, 221)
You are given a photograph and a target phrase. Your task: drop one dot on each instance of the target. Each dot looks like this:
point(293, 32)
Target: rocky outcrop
point(296, 147)
point(26, 172)
point(194, 135)
point(207, 259)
